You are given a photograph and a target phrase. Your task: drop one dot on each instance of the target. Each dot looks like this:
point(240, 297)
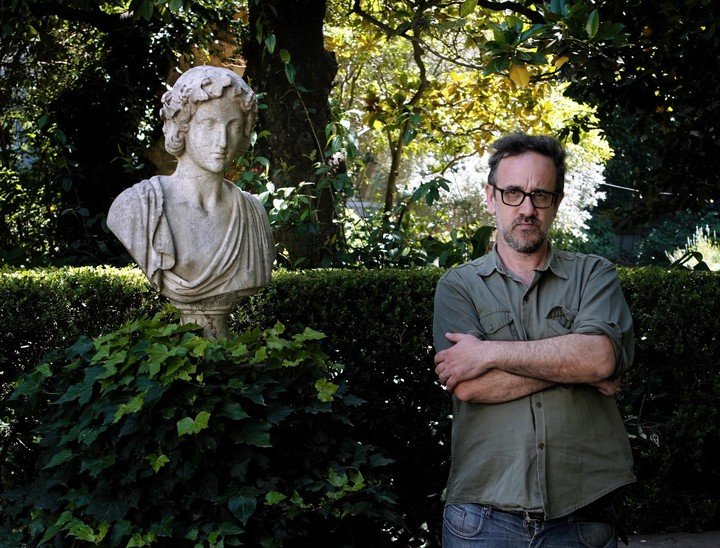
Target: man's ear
point(559, 199)
point(490, 198)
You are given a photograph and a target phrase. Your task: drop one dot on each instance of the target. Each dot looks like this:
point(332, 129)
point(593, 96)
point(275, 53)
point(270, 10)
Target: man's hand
point(460, 362)
point(568, 359)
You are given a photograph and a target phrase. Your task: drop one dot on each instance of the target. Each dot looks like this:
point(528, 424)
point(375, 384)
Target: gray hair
point(518, 143)
point(195, 86)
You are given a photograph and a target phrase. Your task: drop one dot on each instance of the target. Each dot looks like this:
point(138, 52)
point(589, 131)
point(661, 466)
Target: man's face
point(216, 134)
point(523, 228)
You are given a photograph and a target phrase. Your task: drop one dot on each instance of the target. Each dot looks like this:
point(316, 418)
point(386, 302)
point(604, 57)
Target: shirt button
point(541, 445)
point(538, 404)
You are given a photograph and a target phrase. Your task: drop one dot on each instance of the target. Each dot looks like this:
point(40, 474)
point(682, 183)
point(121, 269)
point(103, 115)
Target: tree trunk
point(396, 150)
point(296, 115)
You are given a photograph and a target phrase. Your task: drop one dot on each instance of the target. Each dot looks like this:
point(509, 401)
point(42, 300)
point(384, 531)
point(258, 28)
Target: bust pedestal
point(212, 313)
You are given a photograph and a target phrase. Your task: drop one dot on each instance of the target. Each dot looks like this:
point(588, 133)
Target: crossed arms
point(498, 371)
point(481, 368)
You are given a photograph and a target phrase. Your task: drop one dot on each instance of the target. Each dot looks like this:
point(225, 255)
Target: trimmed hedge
point(379, 325)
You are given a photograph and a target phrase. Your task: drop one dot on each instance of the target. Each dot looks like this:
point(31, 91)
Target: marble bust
point(201, 241)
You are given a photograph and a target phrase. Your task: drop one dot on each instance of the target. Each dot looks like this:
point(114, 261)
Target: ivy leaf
point(229, 529)
point(157, 461)
point(234, 411)
point(279, 413)
point(242, 507)
point(133, 406)
point(81, 531)
point(335, 479)
point(325, 389)
point(81, 347)
point(197, 346)
point(106, 510)
point(30, 385)
point(95, 465)
point(193, 426)
point(120, 529)
point(59, 458)
point(274, 497)
point(256, 433)
point(53, 530)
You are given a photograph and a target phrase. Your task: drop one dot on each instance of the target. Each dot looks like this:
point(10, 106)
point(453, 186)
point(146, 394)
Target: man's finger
point(454, 337)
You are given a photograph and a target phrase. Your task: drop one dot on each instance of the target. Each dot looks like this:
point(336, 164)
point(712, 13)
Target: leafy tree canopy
point(660, 112)
point(61, 169)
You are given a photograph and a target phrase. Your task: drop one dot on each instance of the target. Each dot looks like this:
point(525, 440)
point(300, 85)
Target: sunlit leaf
point(519, 75)
point(467, 7)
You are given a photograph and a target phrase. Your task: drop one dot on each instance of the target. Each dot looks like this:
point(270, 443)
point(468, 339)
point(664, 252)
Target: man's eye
point(512, 192)
point(541, 194)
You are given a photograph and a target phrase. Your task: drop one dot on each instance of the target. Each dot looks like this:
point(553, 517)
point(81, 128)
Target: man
point(531, 342)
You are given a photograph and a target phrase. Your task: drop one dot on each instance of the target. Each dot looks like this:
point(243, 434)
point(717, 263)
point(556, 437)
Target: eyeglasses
point(541, 199)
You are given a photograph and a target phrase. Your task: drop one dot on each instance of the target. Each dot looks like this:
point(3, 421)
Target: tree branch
point(105, 22)
point(387, 29)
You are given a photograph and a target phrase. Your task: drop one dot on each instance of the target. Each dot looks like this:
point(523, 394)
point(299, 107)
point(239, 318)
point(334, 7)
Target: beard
point(529, 241)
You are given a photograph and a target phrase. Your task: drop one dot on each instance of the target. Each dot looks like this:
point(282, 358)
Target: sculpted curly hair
point(192, 88)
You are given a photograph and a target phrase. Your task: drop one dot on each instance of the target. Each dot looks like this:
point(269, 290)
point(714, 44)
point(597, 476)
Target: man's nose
point(527, 207)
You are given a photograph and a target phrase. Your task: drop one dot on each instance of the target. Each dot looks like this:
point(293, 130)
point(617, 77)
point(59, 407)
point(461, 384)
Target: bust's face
point(215, 136)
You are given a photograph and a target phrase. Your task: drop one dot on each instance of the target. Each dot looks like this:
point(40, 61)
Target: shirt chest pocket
point(498, 325)
point(560, 319)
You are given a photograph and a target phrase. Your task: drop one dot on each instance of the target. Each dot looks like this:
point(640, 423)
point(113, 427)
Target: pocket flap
point(495, 320)
point(564, 316)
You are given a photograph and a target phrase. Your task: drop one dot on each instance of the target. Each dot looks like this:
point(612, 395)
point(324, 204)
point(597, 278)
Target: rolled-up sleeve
point(454, 311)
point(604, 311)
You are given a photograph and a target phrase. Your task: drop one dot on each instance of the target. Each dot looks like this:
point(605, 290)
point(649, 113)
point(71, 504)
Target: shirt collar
point(493, 262)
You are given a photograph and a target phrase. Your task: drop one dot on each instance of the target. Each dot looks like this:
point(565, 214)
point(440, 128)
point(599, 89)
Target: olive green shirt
point(562, 448)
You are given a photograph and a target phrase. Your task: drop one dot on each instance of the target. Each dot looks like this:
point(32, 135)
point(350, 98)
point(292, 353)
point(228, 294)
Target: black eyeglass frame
point(525, 195)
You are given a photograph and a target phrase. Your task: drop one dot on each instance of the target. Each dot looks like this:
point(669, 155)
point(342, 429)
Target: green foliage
point(655, 109)
point(80, 81)
point(152, 433)
point(379, 325)
point(673, 234)
point(701, 252)
point(668, 400)
point(600, 239)
point(405, 237)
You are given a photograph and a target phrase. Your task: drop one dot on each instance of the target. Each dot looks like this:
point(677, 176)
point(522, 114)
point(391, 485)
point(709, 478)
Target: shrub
point(156, 433)
point(669, 400)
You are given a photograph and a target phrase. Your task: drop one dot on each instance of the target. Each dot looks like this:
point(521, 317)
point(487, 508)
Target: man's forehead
point(528, 165)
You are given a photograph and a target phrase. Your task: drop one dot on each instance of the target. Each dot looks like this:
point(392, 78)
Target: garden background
point(369, 159)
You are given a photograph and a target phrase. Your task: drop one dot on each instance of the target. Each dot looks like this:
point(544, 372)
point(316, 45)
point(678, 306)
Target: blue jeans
point(473, 525)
